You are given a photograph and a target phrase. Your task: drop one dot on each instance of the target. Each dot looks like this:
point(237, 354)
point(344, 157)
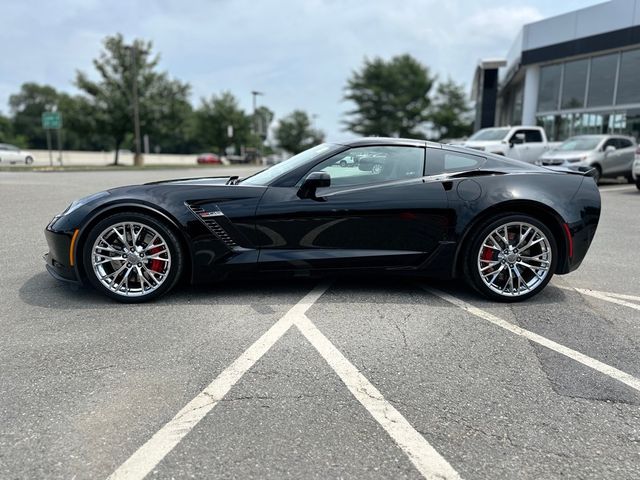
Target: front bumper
point(59, 258)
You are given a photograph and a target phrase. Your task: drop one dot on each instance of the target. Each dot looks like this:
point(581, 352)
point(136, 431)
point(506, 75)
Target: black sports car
point(409, 207)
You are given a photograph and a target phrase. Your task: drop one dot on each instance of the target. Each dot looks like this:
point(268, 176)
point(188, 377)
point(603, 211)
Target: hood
point(194, 181)
point(566, 153)
point(481, 143)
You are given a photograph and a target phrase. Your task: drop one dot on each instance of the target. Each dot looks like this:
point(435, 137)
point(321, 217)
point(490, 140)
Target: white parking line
point(597, 365)
point(425, 458)
point(138, 465)
point(617, 189)
point(616, 298)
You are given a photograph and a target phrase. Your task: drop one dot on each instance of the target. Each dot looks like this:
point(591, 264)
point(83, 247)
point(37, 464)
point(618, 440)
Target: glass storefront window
point(574, 83)
point(602, 80)
point(549, 92)
point(628, 84)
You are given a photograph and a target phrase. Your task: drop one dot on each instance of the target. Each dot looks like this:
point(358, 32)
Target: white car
point(611, 155)
point(526, 143)
point(635, 172)
point(12, 154)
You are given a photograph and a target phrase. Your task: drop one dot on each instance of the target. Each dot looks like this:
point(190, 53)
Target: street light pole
point(137, 159)
point(255, 94)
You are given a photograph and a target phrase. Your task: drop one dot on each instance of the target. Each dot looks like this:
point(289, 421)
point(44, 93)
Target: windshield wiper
point(233, 180)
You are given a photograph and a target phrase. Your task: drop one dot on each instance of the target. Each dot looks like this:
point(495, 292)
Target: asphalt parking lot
point(346, 378)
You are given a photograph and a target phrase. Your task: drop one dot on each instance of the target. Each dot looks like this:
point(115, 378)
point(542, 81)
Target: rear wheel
point(132, 257)
point(28, 160)
point(638, 183)
point(511, 258)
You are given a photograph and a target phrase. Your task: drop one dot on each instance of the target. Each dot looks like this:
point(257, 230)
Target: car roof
point(373, 141)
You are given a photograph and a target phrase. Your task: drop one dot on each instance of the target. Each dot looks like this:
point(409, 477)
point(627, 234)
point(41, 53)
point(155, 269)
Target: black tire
point(343, 163)
point(598, 176)
point(638, 183)
point(28, 160)
point(630, 178)
point(471, 270)
point(177, 255)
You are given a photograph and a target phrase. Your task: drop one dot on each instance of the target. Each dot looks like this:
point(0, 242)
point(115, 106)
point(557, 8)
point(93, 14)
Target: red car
point(209, 158)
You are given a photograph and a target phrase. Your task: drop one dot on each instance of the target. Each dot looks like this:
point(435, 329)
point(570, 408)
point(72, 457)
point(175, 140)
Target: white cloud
point(299, 52)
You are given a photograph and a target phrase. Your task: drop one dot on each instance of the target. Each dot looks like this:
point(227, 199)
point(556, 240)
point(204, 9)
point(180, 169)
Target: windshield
point(266, 176)
point(490, 134)
point(580, 144)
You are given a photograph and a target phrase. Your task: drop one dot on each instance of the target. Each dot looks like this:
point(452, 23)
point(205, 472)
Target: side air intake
point(208, 218)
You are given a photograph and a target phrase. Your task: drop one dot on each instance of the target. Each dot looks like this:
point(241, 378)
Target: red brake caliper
point(487, 254)
point(156, 265)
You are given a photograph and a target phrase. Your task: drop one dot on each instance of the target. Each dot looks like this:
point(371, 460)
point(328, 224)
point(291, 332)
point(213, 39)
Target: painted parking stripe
point(138, 465)
point(617, 298)
point(425, 458)
point(617, 189)
point(597, 365)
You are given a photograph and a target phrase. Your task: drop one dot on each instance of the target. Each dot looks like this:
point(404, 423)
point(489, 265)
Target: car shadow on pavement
point(42, 290)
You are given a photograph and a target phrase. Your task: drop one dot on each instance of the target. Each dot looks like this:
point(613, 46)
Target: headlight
point(76, 204)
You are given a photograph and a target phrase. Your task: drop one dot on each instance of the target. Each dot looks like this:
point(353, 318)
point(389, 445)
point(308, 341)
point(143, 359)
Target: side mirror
point(609, 149)
point(517, 139)
point(314, 181)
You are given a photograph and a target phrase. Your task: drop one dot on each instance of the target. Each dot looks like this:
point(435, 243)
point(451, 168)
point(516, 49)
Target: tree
point(7, 134)
point(391, 98)
point(295, 134)
point(163, 101)
point(213, 119)
point(450, 113)
point(27, 107)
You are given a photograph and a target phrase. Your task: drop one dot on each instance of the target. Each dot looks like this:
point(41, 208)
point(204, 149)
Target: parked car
point(209, 158)
point(611, 155)
point(504, 226)
point(12, 154)
point(636, 168)
point(522, 143)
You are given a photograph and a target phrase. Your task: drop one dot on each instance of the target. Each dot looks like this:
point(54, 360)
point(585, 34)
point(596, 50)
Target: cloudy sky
point(299, 52)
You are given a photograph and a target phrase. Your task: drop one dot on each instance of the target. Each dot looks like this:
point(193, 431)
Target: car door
point(526, 144)
point(380, 212)
point(626, 151)
point(611, 159)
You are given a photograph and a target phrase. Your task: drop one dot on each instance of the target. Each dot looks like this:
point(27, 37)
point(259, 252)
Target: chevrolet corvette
point(406, 207)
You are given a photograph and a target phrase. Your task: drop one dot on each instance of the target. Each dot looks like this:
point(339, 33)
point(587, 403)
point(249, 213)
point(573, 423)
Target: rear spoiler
point(575, 170)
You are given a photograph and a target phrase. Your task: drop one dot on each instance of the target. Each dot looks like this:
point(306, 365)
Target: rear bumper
point(58, 260)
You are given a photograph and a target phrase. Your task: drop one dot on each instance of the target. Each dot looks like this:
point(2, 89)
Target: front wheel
point(132, 257)
point(511, 258)
point(28, 160)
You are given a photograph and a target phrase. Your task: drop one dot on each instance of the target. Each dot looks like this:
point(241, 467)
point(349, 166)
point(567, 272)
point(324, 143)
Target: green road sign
point(51, 120)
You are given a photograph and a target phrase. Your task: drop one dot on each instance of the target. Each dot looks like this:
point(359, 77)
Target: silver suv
point(611, 155)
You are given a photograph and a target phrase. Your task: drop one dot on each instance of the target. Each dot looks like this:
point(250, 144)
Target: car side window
point(375, 164)
point(532, 136)
point(447, 161)
point(610, 142)
point(624, 143)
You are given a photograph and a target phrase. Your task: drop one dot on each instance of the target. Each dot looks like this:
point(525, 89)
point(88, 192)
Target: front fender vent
point(208, 218)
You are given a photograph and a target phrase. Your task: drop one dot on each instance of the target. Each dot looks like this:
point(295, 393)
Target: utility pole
point(137, 159)
point(255, 94)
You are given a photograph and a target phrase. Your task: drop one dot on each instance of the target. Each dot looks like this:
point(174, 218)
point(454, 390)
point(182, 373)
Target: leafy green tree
point(27, 107)
point(163, 101)
point(391, 97)
point(213, 119)
point(7, 134)
point(295, 133)
point(451, 112)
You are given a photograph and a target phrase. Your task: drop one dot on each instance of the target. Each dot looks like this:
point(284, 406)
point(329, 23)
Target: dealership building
point(577, 73)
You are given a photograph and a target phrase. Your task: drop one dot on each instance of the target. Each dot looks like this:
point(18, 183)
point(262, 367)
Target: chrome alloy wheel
point(514, 259)
point(131, 259)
